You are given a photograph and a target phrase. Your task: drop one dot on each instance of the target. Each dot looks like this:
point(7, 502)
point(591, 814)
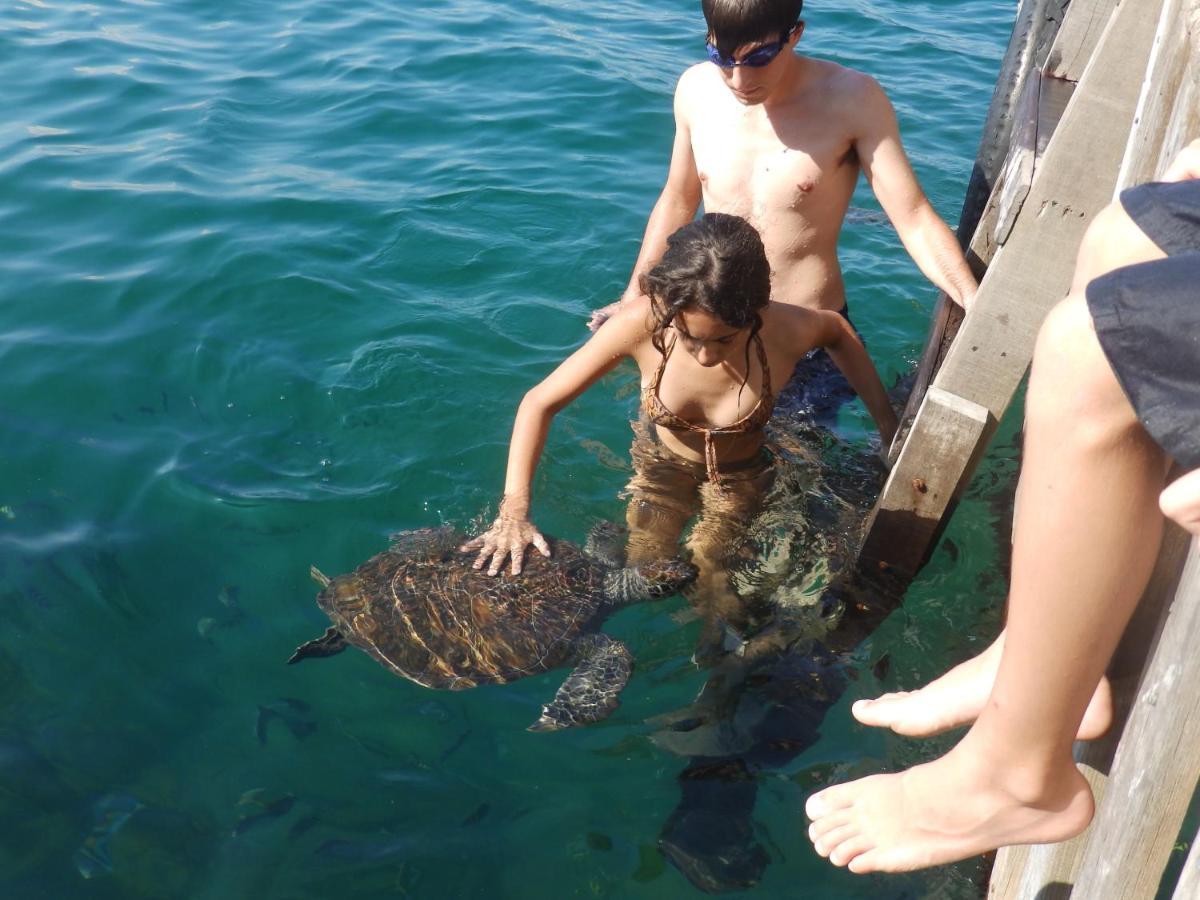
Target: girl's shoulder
point(634, 319)
point(629, 328)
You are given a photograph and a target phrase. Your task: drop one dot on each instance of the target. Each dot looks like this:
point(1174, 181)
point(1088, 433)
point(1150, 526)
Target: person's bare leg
point(726, 512)
point(662, 498)
point(957, 697)
point(1086, 535)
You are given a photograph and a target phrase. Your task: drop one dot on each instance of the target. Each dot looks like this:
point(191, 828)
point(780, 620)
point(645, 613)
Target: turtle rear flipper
point(328, 644)
point(590, 692)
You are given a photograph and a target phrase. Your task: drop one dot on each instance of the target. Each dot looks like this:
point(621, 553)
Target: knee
point(1112, 240)
point(1072, 381)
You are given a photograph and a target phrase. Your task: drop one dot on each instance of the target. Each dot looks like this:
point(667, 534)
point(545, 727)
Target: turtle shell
point(421, 610)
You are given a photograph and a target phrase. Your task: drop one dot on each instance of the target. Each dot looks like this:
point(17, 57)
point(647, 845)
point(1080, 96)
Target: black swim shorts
point(1147, 318)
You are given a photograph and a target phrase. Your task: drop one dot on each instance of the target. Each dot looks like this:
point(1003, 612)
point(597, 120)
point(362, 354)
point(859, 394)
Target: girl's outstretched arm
point(512, 531)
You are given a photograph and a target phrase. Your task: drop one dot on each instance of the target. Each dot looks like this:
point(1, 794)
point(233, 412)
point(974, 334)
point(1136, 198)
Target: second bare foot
point(947, 810)
point(956, 699)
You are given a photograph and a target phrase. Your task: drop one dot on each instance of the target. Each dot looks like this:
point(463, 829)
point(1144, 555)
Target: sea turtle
point(421, 610)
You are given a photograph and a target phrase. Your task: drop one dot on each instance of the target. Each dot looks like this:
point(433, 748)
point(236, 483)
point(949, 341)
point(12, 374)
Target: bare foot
point(944, 811)
point(957, 698)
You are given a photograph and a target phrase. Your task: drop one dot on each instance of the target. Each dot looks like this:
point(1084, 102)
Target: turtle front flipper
point(331, 642)
point(590, 692)
point(606, 544)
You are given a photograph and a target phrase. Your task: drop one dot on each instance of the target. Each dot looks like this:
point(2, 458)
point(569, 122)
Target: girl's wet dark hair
point(716, 264)
point(736, 23)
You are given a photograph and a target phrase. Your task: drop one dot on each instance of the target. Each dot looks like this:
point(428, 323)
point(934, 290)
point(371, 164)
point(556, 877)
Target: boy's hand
point(602, 315)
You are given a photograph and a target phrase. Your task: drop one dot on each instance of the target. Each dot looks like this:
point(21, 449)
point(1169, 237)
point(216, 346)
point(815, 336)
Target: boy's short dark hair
point(735, 23)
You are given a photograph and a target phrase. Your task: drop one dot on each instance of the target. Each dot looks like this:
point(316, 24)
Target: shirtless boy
point(779, 139)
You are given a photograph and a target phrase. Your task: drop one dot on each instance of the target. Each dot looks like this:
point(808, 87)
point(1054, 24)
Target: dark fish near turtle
point(421, 610)
point(293, 713)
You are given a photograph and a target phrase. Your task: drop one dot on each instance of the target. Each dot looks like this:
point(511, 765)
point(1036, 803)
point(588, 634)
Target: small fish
point(264, 809)
point(302, 825)
point(604, 455)
point(462, 739)
point(882, 666)
point(599, 841)
point(293, 713)
point(857, 216)
point(364, 851)
point(476, 817)
point(411, 777)
point(436, 710)
point(228, 596)
point(109, 816)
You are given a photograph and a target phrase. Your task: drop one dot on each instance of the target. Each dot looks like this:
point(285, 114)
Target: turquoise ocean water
point(274, 276)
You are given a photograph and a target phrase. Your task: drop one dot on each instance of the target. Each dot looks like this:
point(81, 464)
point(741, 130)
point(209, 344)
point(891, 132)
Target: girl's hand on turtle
point(508, 537)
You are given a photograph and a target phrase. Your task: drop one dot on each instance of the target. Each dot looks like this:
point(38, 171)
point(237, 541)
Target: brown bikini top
point(755, 420)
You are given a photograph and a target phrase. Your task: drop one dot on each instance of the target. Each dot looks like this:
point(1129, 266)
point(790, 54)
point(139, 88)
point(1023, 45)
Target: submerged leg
point(590, 692)
point(726, 512)
point(662, 498)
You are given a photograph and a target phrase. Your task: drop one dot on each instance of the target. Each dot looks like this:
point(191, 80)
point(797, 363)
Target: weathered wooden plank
point(1022, 872)
point(1075, 181)
point(1032, 271)
point(938, 453)
point(1036, 33)
point(1037, 23)
point(1033, 33)
point(1157, 767)
point(1167, 110)
point(1079, 36)
point(1188, 886)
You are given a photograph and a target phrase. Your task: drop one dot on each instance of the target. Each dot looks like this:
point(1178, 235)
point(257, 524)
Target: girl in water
point(714, 352)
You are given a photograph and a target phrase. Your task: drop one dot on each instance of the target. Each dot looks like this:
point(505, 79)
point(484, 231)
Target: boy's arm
point(847, 351)
point(928, 240)
point(676, 206)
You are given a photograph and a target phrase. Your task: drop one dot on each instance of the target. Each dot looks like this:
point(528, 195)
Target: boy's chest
point(749, 163)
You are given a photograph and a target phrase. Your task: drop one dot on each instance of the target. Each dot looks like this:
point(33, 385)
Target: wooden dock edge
point(1032, 271)
point(929, 474)
point(1123, 854)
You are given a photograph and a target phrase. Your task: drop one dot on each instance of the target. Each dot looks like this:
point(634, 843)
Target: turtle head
point(651, 580)
point(665, 577)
